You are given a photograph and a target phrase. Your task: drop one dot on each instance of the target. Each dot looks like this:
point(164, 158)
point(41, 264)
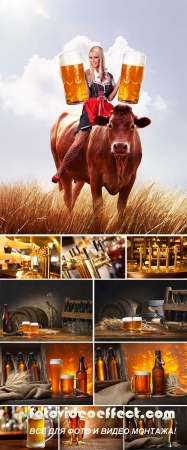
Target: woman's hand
point(33, 246)
point(16, 258)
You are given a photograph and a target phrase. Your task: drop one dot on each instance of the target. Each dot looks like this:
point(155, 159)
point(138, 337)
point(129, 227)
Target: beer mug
point(167, 423)
point(35, 327)
point(127, 323)
point(37, 432)
point(141, 384)
point(55, 367)
point(72, 74)
point(25, 327)
point(137, 323)
point(67, 385)
point(132, 73)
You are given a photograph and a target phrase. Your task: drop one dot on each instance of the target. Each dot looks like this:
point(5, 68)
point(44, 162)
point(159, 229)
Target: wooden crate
point(78, 314)
point(25, 348)
point(121, 363)
point(174, 306)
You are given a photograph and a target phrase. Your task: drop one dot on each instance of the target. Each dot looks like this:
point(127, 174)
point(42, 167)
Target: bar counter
point(134, 272)
point(56, 401)
point(61, 335)
point(21, 444)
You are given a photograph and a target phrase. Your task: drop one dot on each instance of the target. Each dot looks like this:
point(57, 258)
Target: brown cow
point(110, 157)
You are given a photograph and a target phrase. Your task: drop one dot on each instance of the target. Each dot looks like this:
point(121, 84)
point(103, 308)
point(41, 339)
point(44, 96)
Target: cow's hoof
point(55, 179)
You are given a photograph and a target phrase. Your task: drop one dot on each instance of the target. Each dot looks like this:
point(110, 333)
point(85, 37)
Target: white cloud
point(159, 104)
point(39, 90)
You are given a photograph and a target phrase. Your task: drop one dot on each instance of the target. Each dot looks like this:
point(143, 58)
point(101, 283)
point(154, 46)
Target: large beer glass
point(167, 424)
point(55, 367)
point(141, 384)
point(132, 73)
point(72, 74)
point(137, 323)
point(67, 385)
point(37, 432)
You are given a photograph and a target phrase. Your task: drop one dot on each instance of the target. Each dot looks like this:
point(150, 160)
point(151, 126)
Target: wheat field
point(28, 208)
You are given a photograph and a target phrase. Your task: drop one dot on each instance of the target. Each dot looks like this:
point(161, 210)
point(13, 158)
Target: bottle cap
point(99, 351)
point(32, 356)
point(20, 356)
point(111, 351)
point(8, 357)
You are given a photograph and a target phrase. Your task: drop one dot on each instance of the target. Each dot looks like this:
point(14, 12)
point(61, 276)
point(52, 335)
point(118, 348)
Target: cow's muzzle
point(120, 148)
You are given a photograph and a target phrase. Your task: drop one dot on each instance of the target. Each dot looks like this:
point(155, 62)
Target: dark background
point(139, 290)
point(17, 293)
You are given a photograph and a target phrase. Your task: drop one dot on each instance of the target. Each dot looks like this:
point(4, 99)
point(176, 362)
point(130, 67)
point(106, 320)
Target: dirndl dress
point(97, 104)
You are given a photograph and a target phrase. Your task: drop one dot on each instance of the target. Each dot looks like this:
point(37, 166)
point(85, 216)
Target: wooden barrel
point(120, 308)
point(31, 314)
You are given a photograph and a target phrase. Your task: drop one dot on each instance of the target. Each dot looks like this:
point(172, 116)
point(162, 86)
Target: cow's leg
point(124, 194)
point(76, 191)
point(96, 190)
point(67, 187)
point(72, 152)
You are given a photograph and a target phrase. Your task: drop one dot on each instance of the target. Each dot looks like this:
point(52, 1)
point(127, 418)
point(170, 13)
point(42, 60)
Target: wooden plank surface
point(62, 335)
point(97, 444)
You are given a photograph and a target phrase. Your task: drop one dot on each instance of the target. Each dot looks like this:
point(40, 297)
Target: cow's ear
point(142, 122)
point(101, 120)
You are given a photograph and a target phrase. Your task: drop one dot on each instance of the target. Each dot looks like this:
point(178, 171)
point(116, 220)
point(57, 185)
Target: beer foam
point(127, 319)
point(55, 361)
point(137, 319)
point(70, 58)
point(65, 376)
point(134, 59)
point(142, 373)
point(25, 323)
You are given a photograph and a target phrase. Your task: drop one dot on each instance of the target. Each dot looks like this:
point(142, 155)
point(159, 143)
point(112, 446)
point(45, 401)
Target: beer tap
point(65, 271)
point(53, 317)
point(102, 257)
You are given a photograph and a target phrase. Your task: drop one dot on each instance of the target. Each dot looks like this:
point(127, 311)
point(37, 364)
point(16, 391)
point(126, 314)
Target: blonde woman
point(101, 89)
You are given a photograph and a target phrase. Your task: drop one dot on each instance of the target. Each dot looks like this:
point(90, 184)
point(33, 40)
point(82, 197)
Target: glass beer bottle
point(100, 366)
point(21, 362)
point(112, 365)
point(81, 376)
point(5, 317)
point(140, 425)
point(8, 365)
point(158, 375)
point(150, 426)
point(33, 368)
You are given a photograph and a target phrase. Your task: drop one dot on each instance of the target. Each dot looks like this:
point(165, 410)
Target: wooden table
point(164, 400)
point(51, 401)
point(161, 334)
point(62, 335)
point(97, 444)
point(20, 444)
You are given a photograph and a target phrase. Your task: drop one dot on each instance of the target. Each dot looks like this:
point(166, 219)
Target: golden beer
point(67, 385)
point(137, 323)
point(35, 327)
point(167, 423)
point(72, 74)
point(55, 367)
point(140, 383)
point(132, 73)
point(127, 323)
point(26, 327)
point(36, 439)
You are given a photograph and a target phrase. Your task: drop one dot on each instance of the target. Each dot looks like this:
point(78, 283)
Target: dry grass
point(28, 208)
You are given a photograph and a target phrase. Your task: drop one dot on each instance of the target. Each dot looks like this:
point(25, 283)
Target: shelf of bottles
point(31, 360)
point(175, 305)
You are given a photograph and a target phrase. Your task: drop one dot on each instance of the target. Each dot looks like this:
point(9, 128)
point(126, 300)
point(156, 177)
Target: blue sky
point(33, 33)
